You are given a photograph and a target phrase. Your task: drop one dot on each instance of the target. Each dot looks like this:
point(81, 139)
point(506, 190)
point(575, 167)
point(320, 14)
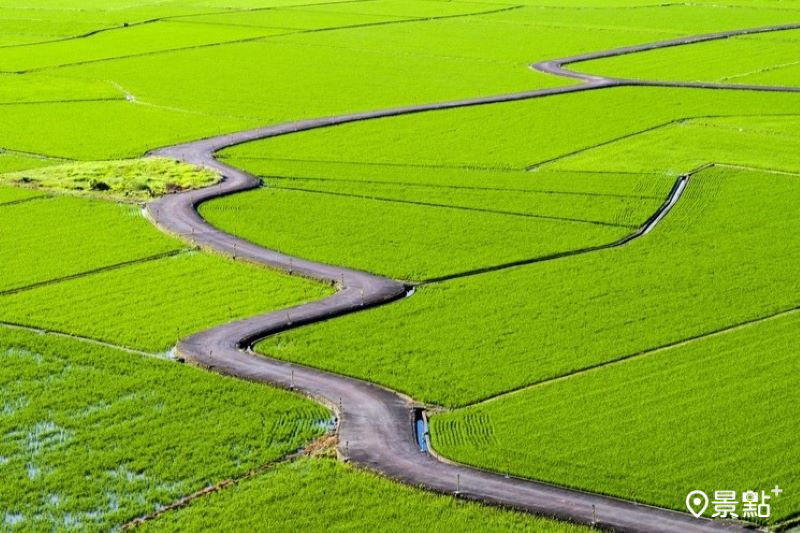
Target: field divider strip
point(130, 56)
point(375, 423)
point(749, 168)
point(714, 86)
point(636, 355)
point(536, 166)
point(556, 66)
point(86, 273)
point(23, 201)
point(264, 38)
point(81, 338)
point(408, 20)
point(679, 120)
point(587, 194)
point(448, 206)
point(644, 229)
point(65, 101)
point(397, 164)
point(770, 68)
point(218, 487)
point(33, 155)
point(127, 25)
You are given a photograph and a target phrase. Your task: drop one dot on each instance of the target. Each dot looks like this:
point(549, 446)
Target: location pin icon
point(697, 502)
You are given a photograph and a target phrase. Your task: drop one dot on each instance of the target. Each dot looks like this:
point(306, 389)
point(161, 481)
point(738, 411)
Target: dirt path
point(375, 424)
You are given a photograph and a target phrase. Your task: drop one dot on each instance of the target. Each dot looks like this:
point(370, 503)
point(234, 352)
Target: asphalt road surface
point(376, 425)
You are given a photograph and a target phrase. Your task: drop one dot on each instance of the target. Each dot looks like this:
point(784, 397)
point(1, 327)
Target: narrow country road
point(376, 425)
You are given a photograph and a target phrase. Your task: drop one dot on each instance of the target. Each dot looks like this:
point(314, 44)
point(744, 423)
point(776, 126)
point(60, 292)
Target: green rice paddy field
point(327, 495)
point(382, 173)
point(608, 430)
point(10, 195)
point(94, 437)
point(642, 371)
point(64, 270)
point(765, 59)
point(463, 340)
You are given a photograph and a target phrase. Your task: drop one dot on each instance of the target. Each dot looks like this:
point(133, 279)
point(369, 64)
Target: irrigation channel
point(378, 427)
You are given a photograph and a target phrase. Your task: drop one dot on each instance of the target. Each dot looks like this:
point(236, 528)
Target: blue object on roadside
point(421, 431)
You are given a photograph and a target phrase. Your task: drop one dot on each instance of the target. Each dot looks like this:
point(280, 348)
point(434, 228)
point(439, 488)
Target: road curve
point(556, 66)
point(375, 424)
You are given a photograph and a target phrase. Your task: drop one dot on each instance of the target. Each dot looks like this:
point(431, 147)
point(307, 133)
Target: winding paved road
point(375, 424)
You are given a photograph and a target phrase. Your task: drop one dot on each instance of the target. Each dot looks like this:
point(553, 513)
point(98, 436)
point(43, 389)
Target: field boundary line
point(371, 163)
point(81, 338)
point(33, 155)
point(662, 125)
point(724, 330)
point(127, 25)
point(715, 86)
point(588, 194)
point(264, 38)
point(63, 101)
point(642, 230)
point(219, 486)
point(406, 20)
point(538, 165)
point(446, 206)
point(763, 170)
point(99, 270)
point(376, 424)
point(134, 55)
point(770, 68)
point(556, 66)
point(23, 201)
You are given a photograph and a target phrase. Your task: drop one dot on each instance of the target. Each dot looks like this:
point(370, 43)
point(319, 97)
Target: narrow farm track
point(556, 66)
point(375, 424)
